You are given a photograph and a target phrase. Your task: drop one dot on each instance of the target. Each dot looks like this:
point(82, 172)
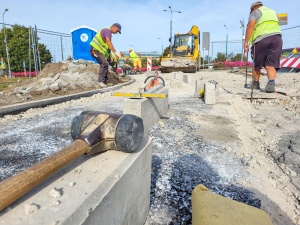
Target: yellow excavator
point(185, 55)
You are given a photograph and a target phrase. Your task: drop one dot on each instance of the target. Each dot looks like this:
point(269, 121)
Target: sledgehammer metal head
point(108, 131)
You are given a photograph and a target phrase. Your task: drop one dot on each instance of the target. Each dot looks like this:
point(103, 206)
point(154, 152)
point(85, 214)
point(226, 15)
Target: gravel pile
point(181, 163)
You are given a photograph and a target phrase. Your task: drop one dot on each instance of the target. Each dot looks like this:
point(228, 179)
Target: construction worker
point(263, 32)
point(101, 48)
point(136, 61)
point(3, 68)
point(153, 82)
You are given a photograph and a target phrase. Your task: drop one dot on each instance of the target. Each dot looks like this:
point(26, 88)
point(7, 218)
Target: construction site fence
point(290, 36)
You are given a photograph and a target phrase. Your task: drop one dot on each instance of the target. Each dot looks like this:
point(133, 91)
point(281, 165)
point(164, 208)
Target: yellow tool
point(139, 95)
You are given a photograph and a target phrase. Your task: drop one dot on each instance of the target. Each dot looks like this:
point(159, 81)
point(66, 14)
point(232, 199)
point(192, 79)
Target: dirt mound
point(57, 79)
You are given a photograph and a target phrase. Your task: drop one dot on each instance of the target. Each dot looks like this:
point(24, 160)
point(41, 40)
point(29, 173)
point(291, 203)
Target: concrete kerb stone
point(209, 93)
point(149, 109)
point(109, 188)
point(199, 88)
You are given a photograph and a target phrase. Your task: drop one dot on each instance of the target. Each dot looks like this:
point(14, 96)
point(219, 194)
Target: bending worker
point(136, 61)
point(264, 34)
point(101, 48)
point(3, 68)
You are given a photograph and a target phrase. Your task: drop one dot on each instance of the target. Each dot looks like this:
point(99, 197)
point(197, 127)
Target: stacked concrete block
point(209, 89)
point(209, 93)
point(199, 88)
point(149, 109)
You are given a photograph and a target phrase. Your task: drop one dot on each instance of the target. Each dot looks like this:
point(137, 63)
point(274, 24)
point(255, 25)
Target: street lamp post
point(171, 11)
point(7, 53)
point(226, 41)
point(243, 38)
point(162, 46)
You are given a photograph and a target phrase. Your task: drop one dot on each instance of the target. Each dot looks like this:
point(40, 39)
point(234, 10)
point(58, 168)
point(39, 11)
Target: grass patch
point(4, 83)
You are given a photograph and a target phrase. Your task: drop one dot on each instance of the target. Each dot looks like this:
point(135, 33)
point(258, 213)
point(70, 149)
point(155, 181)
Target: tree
point(231, 56)
point(237, 57)
point(206, 59)
point(221, 57)
point(18, 44)
point(167, 51)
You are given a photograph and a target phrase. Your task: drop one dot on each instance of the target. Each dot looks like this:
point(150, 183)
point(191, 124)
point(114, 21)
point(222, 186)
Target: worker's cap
point(255, 4)
point(118, 26)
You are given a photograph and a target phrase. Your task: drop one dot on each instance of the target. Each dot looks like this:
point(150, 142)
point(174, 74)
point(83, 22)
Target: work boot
point(109, 84)
point(270, 87)
point(255, 85)
point(102, 84)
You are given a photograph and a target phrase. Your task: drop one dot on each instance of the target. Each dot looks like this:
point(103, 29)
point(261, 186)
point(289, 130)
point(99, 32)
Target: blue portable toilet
point(81, 38)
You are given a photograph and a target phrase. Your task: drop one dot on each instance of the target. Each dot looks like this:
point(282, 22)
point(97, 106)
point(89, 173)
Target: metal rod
point(245, 86)
point(6, 47)
point(252, 86)
point(37, 50)
point(34, 51)
point(61, 47)
point(29, 54)
point(16, 186)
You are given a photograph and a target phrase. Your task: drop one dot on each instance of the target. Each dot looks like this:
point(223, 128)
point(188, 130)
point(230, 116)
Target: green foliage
point(221, 57)
point(155, 61)
point(237, 57)
point(18, 45)
point(167, 51)
point(206, 59)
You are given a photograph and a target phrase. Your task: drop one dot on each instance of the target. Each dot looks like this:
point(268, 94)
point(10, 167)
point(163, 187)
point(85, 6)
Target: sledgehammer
point(93, 132)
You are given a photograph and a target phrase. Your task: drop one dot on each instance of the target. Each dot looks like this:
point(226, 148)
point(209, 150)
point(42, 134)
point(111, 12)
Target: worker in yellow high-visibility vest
point(263, 32)
point(3, 68)
point(102, 49)
point(136, 60)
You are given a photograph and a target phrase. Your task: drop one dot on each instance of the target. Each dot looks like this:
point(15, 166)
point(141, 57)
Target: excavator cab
point(183, 45)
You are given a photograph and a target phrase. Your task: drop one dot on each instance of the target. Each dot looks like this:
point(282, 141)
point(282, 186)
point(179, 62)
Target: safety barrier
point(290, 63)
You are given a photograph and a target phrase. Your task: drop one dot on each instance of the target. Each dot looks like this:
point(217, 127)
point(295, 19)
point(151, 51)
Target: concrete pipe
point(93, 132)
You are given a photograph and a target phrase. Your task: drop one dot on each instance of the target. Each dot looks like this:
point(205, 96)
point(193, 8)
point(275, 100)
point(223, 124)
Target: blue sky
point(143, 22)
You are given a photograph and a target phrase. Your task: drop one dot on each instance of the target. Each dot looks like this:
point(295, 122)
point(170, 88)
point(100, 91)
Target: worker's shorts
point(267, 52)
point(137, 63)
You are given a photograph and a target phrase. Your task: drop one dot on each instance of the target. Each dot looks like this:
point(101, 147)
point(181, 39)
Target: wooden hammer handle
point(16, 186)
